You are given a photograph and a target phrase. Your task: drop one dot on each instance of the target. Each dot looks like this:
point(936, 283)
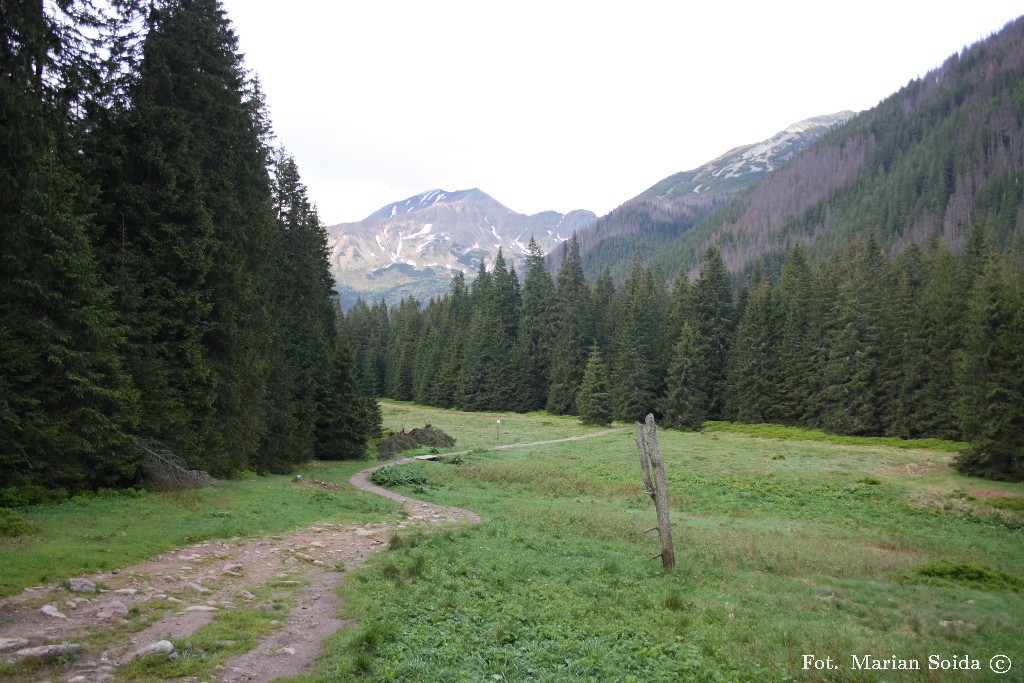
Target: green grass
point(782, 432)
point(786, 545)
point(829, 549)
point(90, 534)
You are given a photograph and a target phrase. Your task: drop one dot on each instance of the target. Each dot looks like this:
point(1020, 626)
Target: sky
point(566, 104)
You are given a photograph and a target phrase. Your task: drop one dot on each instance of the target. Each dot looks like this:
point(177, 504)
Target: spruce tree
point(534, 337)
point(67, 407)
point(713, 314)
point(572, 331)
point(991, 377)
point(593, 400)
point(634, 363)
point(685, 403)
point(752, 377)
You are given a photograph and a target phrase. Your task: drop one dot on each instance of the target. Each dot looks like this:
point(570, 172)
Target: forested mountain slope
point(942, 153)
point(675, 204)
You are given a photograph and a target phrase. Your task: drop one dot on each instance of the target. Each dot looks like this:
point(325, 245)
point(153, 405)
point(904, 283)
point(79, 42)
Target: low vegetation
point(785, 546)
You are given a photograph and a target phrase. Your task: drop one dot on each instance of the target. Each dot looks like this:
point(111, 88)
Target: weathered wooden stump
point(650, 460)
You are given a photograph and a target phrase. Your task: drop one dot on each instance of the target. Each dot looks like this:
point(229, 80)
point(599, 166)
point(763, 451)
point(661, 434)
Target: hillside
point(945, 151)
point(414, 246)
point(674, 205)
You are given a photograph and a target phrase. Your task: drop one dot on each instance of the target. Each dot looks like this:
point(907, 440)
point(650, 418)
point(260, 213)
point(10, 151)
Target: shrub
point(397, 475)
point(13, 525)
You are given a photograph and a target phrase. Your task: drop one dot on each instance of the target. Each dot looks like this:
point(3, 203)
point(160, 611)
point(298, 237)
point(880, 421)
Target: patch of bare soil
point(304, 566)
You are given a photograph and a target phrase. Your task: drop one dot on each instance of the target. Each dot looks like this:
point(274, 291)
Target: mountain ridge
point(414, 246)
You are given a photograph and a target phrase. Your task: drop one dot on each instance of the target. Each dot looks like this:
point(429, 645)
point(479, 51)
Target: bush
point(397, 475)
point(13, 525)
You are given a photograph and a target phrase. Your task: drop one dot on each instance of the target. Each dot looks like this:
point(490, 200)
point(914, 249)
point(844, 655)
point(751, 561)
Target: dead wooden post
point(648, 450)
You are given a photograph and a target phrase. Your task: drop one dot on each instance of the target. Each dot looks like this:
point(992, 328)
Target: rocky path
point(85, 628)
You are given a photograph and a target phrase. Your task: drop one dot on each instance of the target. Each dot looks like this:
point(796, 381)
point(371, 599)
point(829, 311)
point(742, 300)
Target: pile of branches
point(396, 442)
point(167, 469)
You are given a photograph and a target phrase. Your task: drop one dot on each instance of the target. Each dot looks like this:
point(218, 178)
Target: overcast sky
point(560, 104)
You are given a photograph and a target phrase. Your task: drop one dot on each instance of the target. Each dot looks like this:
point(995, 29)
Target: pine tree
point(593, 400)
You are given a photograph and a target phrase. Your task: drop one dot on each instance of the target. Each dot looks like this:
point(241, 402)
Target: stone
point(49, 650)
point(114, 609)
point(164, 647)
point(287, 650)
point(197, 587)
point(232, 568)
point(247, 595)
point(51, 611)
point(12, 643)
point(201, 608)
point(81, 585)
point(127, 591)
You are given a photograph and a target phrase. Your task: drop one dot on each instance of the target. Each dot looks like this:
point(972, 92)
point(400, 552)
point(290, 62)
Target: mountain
point(674, 205)
point(744, 165)
point(943, 153)
point(416, 245)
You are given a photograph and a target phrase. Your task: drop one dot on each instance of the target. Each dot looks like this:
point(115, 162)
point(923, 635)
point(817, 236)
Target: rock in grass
point(12, 643)
point(160, 647)
point(52, 611)
point(81, 586)
point(45, 651)
point(114, 609)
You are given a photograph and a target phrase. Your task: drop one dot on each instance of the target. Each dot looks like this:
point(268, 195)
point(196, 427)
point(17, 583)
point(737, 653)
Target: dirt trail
point(186, 587)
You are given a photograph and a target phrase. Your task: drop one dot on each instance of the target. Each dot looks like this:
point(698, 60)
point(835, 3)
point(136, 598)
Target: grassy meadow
point(786, 546)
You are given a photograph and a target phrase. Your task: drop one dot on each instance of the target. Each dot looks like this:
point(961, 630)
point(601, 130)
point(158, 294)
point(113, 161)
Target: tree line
point(163, 272)
point(923, 344)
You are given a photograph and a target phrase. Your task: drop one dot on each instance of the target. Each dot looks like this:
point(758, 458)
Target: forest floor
point(280, 589)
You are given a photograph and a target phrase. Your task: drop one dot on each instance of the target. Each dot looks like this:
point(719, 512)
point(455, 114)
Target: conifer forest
point(165, 285)
point(163, 273)
point(924, 344)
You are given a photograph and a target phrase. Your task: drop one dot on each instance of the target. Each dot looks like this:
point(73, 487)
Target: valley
point(786, 546)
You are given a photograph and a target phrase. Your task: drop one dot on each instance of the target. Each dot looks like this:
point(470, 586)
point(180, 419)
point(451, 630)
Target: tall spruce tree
point(534, 337)
point(593, 400)
point(713, 314)
point(991, 377)
point(189, 237)
point(67, 407)
point(572, 331)
point(635, 375)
